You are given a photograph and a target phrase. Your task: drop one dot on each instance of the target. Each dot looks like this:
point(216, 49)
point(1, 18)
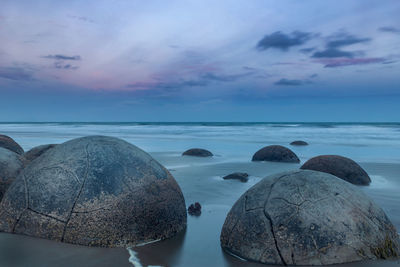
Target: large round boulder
point(96, 191)
point(307, 218)
point(37, 151)
point(197, 152)
point(9, 143)
point(10, 165)
point(275, 153)
point(339, 166)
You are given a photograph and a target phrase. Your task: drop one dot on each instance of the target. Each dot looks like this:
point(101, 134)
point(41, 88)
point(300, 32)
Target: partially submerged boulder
point(9, 143)
point(299, 143)
point(276, 153)
point(342, 167)
point(37, 151)
point(307, 218)
point(96, 191)
point(10, 165)
point(197, 152)
point(241, 176)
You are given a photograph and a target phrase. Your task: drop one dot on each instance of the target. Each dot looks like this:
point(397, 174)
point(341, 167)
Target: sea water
point(376, 147)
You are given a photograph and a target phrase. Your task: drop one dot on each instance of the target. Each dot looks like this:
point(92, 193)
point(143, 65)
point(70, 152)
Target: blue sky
point(200, 60)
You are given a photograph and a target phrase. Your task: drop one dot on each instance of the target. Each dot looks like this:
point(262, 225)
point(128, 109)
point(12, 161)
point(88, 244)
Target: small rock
point(299, 143)
point(195, 209)
point(241, 176)
point(197, 152)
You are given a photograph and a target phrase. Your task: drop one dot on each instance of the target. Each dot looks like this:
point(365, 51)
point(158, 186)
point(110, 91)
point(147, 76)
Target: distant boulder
point(9, 143)
point(197, 152)
point(241, 176)
point(10, 165)
point(299, 143)
point(94, 191)
point(37, 151)
point(307, 218)
point(276, 153)
point(339, 166)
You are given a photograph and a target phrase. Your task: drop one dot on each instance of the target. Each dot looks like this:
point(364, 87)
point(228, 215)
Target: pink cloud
point(342, 62)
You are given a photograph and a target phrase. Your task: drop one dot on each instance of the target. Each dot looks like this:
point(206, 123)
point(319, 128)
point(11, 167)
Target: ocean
point(375, 146)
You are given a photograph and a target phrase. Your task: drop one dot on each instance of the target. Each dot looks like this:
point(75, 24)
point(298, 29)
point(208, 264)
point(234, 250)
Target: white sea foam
point(379, 182)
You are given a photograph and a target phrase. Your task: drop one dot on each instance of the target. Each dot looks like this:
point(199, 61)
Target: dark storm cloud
point(225, 78)
point(16, 74)
point(62, 57)
point(389, 29)
point(333, 52)
point(282, 41)
point(287, 82)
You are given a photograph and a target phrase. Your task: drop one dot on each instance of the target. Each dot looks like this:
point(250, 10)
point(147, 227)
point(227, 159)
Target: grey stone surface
point(37, 151)
point(299, 143)
point(339, 166)
point(10, 165)
point(9, 143)
point(95, 191)
point(276, 153)
point(241, 176)
point(307, 218)
point(197, 152)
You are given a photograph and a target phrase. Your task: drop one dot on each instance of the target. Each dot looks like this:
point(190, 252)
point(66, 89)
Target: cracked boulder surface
point(276, 153)
point(10, 165)
point(197, 152)
point(94, 191)
point(307, 218)
point(37, 151)
point(9, 143)
point(342, 167)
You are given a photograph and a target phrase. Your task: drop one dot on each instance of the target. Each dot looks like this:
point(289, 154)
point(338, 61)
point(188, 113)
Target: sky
point(244, 60)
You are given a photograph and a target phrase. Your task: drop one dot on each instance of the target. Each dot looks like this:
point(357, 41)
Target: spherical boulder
point(197, 152)
point(276, 153)
point(9, 143)
point(339, 166)
point(37, 151)
point(307, 218)
point(241, 176)
point(299, 143)
point(10, 165)
point(95, 191)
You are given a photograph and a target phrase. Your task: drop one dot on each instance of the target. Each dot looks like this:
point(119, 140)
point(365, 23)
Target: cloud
point(332, 52)
point(279, 40)
point(16, 74)
point(60, 65)
point(307, 50)
point(86, 19)
point(389, 29)
point(342, 62)
point(225, 78)
point(344, 39)
point(62, 57)
point(287, 82)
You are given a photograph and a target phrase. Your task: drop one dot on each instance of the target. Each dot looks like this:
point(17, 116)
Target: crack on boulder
point(79, 193)
point(273, 235)
point(89, 211)
point(45, 215)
